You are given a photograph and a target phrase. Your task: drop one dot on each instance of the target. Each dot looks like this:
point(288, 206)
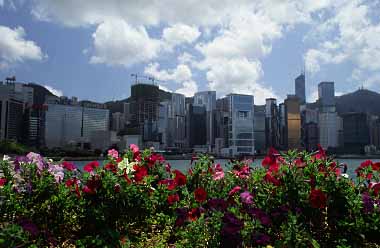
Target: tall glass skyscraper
point(299, 84)
point(241, 124)
point(208, 100)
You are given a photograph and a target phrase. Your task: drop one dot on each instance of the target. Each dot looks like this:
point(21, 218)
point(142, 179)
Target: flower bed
point(136, 200)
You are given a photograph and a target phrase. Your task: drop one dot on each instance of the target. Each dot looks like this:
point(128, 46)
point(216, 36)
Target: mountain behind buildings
point(362, 101)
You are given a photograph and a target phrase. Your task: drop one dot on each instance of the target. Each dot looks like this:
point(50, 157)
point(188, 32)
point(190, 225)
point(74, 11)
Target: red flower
point(68, 166)
point(173, 198)
point(362, 166)
point(111, 167)
point(321, 153)
point(92, 185)
point(168, 167)
point(127, 179)
point(194, 214)
point(88, 190)
point(271, 179)
point(2, 181)
point(71, 182)
point(376, 166)
point(200, 195)
point(91, 166)
point(375, 187)
point(299, 163)
point(170, 183)
point(116, 188)
point(270, 159)
point(140, 172)
point(317, 198)
point(180, 178)
point(153, 158)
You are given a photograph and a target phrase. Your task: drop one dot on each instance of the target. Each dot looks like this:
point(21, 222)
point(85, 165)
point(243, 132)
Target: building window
point(242, 115)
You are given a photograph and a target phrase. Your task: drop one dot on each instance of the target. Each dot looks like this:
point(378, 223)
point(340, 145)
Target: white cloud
point(14, 48)
point(186, 58)
point(180, 33)
point(180, 75)
point(54, 91)
point(118, 43)
point(226, 37)
point(351, 35)
point(188, 88)
point(239, 76)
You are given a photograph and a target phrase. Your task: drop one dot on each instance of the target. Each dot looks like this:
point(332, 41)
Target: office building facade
point(67, 125)
point(241, 125)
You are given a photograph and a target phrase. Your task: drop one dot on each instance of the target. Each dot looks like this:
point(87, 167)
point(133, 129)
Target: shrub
point(137, 200)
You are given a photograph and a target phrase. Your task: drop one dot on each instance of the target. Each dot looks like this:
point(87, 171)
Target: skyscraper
point(272, 123)
point(299, 84)
point(241, 124)
point(327, 119)
point(208, 100)
point(326, 94)
point(293, 122)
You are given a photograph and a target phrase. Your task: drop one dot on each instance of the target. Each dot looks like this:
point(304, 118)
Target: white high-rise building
point(241, 125)
point(328, 133)
point(327, 117)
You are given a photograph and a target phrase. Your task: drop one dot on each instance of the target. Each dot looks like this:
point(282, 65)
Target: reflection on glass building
point(241, 124)
point(293, 122)
point(70, 125)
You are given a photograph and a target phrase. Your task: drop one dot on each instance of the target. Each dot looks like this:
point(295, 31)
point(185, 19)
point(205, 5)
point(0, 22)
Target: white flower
point(6, 158)
point(124, 164)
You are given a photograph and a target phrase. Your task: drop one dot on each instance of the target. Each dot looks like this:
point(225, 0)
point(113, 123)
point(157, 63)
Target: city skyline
point(90, 50)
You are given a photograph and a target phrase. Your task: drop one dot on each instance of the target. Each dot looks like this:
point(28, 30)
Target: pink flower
point(134, 148)
point(243, 173)
point(234, 190)
point(219, 173)
point(113, 153)
point(246, 197)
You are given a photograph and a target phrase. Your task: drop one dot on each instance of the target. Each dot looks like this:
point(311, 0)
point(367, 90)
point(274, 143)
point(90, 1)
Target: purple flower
point(37, 159)
point(181, 216)
point(261, 216)
point(246, 197)
point(29, 226)
point(57, 172)
point(217, 204)
point(261, 239)
point(368, 203)
point(230, 233)
point(17, 162)
point(232, 224)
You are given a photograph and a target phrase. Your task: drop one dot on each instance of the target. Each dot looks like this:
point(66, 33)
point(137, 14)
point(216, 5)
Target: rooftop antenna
point(135, 76)
point(153, 79)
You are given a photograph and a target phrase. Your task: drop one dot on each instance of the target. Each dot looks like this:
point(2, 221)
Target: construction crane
point(136, 77)
point(154, 80)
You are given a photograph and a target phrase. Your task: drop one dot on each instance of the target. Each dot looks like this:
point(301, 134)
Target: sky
point(89, 49)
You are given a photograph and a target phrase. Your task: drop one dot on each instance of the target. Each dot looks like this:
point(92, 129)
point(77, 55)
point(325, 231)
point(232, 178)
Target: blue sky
point(89, 48)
